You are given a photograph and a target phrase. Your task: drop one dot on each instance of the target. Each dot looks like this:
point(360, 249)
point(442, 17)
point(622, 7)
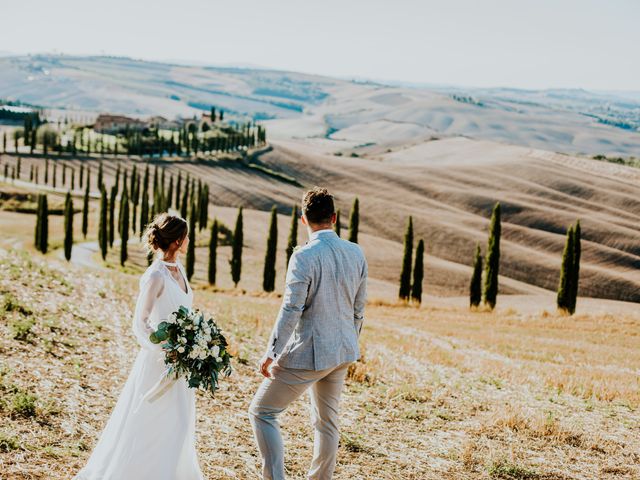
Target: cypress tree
point(191, 248)
point(337, 225)
point(112, 214)
point(475, 286)
point(100, 175)
point(213, 252)
point(38, 231)
point(121, 209)
point(492, 265)
point(169, 193)
point(575, 273)
point(44, 226)
point(203, 209)
point(85, 211)
point(118, 178)
point(178, 183)
point(293, 233)
point(136, 199)
point(236, 250)
point(124, 234)
point(565, 286)
point(144, 207)
point(185, 199)
point(405, 275)
point(269, 273)
point(103, 232)
point(354, 221)
point(68, 226)
point(418, 273)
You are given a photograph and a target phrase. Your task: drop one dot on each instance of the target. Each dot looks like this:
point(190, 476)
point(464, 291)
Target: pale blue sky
point(592, 44)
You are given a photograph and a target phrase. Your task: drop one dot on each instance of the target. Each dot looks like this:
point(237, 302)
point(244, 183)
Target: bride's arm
point(149, 292)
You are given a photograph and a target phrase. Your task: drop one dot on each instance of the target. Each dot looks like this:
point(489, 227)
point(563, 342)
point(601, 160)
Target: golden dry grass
point(441, 393)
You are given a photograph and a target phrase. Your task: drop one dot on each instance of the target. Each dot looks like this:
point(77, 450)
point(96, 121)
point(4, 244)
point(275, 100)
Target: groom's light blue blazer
point(323, 305)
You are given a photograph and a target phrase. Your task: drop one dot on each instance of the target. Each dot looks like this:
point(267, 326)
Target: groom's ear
point(304, 219)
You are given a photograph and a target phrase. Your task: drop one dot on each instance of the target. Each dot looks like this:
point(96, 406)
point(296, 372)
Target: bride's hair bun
point(163, 231)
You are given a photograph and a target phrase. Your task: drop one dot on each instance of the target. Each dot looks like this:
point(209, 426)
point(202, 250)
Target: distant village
point(112, 124)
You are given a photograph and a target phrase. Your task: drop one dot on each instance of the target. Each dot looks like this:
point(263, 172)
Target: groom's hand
point(265, 365)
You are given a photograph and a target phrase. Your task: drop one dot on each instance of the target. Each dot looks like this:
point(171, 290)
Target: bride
point(152, 435)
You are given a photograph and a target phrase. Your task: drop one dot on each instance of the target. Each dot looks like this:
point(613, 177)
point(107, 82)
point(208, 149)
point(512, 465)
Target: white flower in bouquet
point(180, 349)
point(215, 351)
point(172, 317)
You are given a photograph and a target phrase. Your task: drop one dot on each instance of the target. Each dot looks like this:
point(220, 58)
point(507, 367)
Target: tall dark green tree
point(144, 207)
point(100, 175)
point(337, 225)
point(185, 200)
point(85, 210)
point(191, 248)
point(103, 228)
point(293, 233)
point(44, 226)
point(38, 230)
point(124, 233)
point(236, 250)
point(203, 208)
point(169, 198)
point(121, 209)
point(418, 273)
point(112, 215)
point(354, 221)
point(475, 285)
point(213, 252)
point(492, 263)
point(566, 270)
point(178, 185)
point(269, 272)
point(68, 225)
point(575, 275)
point(405, 274)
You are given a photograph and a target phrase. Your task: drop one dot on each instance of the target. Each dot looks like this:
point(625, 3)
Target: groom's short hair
point(317, 205)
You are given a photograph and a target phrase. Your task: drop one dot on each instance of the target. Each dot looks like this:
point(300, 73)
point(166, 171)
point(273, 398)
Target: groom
point(314, 339)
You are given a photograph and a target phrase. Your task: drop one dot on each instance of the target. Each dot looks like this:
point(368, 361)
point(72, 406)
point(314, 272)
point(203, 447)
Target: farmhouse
point(106, 123)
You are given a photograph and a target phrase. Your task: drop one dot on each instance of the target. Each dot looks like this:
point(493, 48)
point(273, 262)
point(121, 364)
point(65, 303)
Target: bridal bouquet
point(194, 348)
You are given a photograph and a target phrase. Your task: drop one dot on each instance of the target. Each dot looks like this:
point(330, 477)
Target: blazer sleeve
point(361, 298)
point(298, 281)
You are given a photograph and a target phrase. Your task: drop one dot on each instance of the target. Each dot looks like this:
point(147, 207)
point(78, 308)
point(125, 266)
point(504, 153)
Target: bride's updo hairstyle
point(163, 231)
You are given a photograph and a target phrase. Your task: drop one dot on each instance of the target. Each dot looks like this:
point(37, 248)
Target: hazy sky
point(594, 44)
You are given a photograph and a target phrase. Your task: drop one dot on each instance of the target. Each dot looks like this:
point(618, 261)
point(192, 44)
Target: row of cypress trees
point(489, 292)
point(569, 274)
point(411, 291)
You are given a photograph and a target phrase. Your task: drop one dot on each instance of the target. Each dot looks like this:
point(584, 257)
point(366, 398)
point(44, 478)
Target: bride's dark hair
point(164, 230)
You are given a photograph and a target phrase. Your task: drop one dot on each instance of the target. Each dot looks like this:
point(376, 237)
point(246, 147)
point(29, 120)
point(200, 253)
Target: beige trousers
point(276, 394)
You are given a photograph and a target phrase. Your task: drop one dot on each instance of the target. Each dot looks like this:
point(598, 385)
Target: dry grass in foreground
point(441, 393)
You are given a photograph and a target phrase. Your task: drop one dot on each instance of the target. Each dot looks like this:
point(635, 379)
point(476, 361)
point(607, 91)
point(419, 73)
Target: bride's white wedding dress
point(146, 439)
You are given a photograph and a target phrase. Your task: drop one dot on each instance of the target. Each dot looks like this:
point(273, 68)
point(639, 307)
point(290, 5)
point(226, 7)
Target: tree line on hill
point(191, 198)
point(192, 138)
